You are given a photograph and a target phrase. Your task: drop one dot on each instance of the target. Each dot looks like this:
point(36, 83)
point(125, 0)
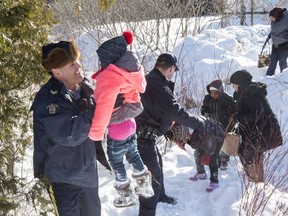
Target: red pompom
point(128, 37)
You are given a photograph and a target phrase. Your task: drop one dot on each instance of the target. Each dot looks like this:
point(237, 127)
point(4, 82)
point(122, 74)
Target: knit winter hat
point(276, 12)
point(111, 50)
point(241, 77)
point(57, 55)
point(216, 85)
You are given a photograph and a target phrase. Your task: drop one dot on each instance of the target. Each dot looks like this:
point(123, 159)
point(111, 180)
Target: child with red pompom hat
point(120, 73)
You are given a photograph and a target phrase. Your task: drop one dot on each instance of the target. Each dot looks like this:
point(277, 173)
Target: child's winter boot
point(212, 186)
point(197, 176)
point(127, 196)
point(144, 184)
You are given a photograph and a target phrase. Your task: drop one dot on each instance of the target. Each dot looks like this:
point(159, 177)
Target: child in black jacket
point(219, 106)
point(207, 144)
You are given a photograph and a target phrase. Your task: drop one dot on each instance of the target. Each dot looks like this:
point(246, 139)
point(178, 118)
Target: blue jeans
point(280, 55)
point(117, 149)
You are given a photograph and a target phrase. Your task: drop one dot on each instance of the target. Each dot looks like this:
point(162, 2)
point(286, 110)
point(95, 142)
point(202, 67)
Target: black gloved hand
point(119, 101)
point(100, 154)
point(82, 104)
point(203, 111)
point(206, 115)
point(169, 135)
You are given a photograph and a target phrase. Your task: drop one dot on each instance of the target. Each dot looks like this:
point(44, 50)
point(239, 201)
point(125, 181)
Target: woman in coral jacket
point(120, 73)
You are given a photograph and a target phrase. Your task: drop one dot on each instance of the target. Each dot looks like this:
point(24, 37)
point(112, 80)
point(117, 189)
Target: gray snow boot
point(127, 197)
point(144, 184)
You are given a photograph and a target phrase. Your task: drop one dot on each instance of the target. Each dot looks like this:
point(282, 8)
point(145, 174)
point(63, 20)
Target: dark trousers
point(280, 55)
point(153, 160)
point(213, 164)
point(72, 200)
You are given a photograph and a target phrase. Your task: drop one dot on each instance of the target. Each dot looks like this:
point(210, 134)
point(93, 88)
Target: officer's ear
point(56, 72)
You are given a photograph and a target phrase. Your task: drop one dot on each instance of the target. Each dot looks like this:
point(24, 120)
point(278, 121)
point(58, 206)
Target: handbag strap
point(235, 127)
point(229, 124)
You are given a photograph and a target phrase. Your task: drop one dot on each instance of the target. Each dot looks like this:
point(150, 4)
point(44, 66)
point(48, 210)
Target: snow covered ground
point(217, 54)
point(203, 58)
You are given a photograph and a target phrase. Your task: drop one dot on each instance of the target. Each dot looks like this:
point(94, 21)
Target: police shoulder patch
point(52, 108)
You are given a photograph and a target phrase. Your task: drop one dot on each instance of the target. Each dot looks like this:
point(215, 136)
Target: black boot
point(168, 199)
point(224, 160)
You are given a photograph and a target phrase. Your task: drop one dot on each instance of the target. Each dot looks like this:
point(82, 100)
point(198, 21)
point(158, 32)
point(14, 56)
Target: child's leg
point(133, 156)
point(213, 167)
point(198, 153)
point(141, 175)
point(116, 149)
point(200, 174)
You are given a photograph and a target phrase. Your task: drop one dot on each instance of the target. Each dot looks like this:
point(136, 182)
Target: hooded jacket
point(110, 82)
point(258, 123)
point(219, 110)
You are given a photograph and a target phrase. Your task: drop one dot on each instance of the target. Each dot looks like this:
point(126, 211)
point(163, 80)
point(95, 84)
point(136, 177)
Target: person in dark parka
point(160, 110)
point(259, 128)
point(219, 106)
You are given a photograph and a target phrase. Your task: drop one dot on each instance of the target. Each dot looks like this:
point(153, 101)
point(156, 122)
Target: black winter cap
point(241, 77)
point(168, 58)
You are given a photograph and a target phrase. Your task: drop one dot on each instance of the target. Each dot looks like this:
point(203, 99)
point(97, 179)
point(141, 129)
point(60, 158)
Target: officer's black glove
point(119, 101)
point(203, 111)
point(83, 104)
point(100, 154)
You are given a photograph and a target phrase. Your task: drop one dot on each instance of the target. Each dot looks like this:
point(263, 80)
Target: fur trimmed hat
point(241, 77)
point(57, 55)
point(111, 50)
point(276, 12)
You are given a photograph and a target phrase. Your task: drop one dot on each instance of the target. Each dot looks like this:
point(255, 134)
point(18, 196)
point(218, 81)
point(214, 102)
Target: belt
point(147, 132)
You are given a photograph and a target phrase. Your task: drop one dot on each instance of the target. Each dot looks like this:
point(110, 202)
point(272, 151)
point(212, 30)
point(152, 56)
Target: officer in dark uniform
point(160, 111)
point(64, 157)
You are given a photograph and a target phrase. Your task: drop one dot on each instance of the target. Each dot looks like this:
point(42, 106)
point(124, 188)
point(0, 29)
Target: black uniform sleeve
point(165, 100)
